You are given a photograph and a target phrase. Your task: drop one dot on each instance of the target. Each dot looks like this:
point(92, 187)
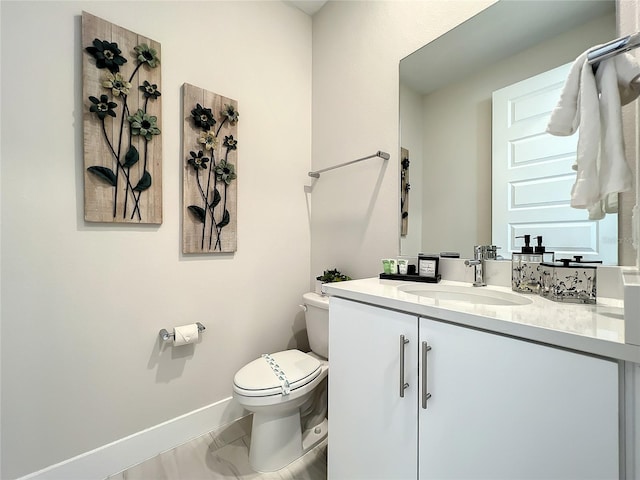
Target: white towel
point(594, 104)
point(565, 117)
point(614, 174)
point(628, 76)
point(578, 107)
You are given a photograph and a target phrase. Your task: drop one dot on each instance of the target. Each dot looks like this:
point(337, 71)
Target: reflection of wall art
point(209, 152)
point(122, 120)
point(404, 191)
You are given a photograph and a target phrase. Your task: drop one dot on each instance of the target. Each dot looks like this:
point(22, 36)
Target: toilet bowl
point(277, 388)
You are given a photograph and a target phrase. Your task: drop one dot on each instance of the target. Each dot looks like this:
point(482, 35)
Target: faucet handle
point(492, 252)
point(485, 252)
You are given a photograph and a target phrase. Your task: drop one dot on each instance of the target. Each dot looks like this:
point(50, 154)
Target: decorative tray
point(410, 278)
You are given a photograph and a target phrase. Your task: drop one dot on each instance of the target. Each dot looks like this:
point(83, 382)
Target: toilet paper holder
point(166, 335)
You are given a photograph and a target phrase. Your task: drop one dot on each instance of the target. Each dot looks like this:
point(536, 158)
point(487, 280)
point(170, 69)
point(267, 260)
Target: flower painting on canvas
point(210, 144)
point(122, 124)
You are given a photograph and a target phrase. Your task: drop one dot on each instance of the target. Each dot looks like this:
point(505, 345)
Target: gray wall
point(82, 303)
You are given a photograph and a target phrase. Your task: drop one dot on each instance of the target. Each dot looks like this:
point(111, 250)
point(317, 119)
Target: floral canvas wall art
point(122, 124)
point(210, 166)
point(404, 191)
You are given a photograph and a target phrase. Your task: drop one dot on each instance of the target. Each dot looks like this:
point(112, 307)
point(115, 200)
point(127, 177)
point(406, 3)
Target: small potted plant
point(329, 276)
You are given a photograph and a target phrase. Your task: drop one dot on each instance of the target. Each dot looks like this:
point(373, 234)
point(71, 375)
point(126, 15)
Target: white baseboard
point(114, 457)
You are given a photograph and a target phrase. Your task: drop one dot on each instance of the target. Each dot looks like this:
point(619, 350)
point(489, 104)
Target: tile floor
point(223, 454)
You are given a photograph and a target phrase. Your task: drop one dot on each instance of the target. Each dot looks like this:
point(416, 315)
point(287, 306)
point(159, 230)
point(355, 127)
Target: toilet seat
point(258, 379)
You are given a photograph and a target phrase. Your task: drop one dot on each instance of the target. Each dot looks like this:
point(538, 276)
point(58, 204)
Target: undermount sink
point(464, 294)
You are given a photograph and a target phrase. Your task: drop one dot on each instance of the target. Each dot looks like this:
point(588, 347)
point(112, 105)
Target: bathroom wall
point(82, 303)
point(357, 47)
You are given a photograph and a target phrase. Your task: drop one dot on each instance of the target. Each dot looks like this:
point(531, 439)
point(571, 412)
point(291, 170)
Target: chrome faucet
point(480, 254)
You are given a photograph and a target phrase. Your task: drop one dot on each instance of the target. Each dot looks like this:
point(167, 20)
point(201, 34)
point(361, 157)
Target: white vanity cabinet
point(373, 431)
point(499, 407)
point(503, 408)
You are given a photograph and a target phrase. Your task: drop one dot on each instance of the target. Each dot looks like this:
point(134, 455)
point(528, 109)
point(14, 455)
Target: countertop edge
point(557, 338)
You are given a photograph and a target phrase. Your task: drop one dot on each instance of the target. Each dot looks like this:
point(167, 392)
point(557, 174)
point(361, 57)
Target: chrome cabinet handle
point(425, 393)
point(403, 385)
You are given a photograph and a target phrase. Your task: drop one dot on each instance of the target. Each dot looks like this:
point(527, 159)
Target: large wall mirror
point(446, 91)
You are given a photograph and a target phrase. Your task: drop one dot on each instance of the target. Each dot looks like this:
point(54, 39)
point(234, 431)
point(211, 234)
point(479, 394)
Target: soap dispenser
point(546, 255)
point(525, 276)
point(541, 252)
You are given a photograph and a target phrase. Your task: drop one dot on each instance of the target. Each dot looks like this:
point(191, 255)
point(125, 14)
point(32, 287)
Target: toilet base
point(277, 441)
point(313, 436)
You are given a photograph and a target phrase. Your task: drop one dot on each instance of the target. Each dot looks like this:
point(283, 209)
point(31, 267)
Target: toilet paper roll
point(186, 334)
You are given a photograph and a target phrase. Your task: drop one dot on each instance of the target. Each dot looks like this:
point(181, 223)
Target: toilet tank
point(317, 320)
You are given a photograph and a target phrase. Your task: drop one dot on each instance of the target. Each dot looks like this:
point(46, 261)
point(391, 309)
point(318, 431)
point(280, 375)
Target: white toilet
point(286, 392)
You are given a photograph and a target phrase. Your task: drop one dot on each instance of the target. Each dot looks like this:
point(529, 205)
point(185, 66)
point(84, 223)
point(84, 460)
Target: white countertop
point(595, 329)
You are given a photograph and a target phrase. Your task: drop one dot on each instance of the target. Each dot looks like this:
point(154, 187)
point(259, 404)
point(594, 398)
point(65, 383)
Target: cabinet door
point(373, 431)
point(502, 408)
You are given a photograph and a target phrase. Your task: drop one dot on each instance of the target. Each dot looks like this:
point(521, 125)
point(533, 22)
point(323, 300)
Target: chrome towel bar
point(613, 48)
point(383, 155)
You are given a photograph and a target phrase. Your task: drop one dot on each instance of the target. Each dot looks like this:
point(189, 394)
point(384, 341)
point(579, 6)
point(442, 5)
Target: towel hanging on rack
point(592, 102)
